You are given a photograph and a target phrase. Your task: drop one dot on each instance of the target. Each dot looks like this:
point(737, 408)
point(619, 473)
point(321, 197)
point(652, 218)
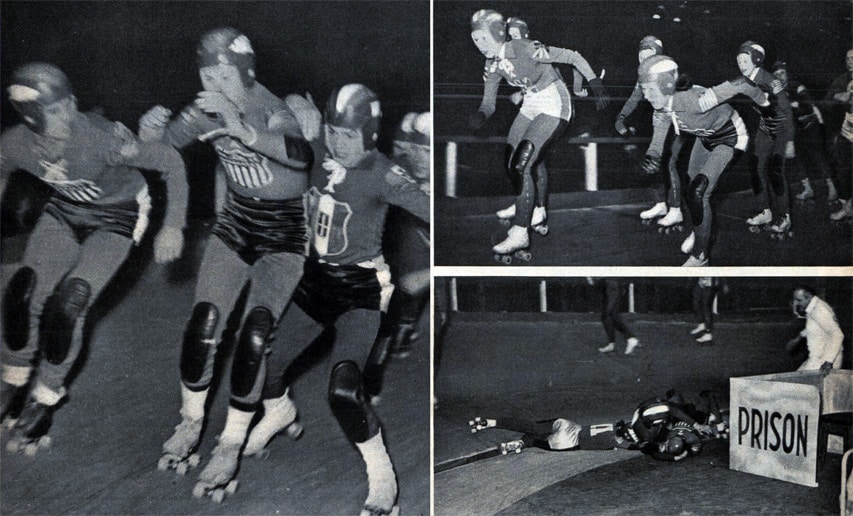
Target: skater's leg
point(706, 166)
point(538, 430)
point(764, 145)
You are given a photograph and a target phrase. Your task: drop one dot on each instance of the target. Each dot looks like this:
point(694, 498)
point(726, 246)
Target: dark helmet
point(355, 106)
point(755, 51)
point(35, 85)
point(675, 445)
point(517, 28)
point(227, 46)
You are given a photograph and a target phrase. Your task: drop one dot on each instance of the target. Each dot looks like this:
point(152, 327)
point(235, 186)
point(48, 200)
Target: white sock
point(45, 395)
point(16, 375)
point(192, 402)
point(236, 425)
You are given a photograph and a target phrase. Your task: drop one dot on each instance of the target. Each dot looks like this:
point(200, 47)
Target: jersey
point(720, 125)
point(347, 208)
point(266, 169)
point(527, 64)
point(776, 119)
point(99, 164)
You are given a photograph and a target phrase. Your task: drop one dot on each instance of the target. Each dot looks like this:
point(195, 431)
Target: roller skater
point(280, 415)
point(545, 113)
point(97, 213)
point(839, 97)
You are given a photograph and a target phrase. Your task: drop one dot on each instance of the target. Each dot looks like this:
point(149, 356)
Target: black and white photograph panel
point(665, 395)
point(673, 132)
point(215, 235)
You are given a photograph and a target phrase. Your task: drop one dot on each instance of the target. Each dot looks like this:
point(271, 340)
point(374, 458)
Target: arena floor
point(543, 366)
point(124, 404)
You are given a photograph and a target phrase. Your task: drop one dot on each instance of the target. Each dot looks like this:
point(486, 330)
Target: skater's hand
point(153, 123)
point(807, 120)
point(214, 102)
point(601, 98)
point(777, 85)
point(169, 244)
point(703, 429)
point(477, 120)
point(825, 368)
point(620, 125)
point(129, 147)
point(516, 97)
point(651, 164)
point(790, 152)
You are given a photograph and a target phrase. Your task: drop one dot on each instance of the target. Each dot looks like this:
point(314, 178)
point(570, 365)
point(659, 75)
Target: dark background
point(124, 57)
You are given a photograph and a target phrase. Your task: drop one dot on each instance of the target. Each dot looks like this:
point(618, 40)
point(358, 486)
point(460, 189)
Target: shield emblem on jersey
point(329, 221)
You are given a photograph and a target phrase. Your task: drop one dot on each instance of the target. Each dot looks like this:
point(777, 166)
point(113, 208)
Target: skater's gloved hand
point(516, 97)
point(153, 123)
point(651, 164)
point(477, 120)
point(216, 103)
point(620, 125)
point(790, 153)
point(807, 120)
point(169, 244)
point(777, 85)
point(601, 98)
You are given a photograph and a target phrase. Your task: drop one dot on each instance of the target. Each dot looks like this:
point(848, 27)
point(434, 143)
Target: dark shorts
point(127, 219)
point(327, 291)
point(253, 228)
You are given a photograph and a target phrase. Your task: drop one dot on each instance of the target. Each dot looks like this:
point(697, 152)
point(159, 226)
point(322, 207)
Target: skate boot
point(698, 330)
point(512, 446)
point(705, 339)
point(539, 222)
point(280, 415)
point(759, 221)
point(781, 228)
point(179, 450)
point(658, 210)
point(608, 348)
point(381, 479)
point(689, 242)
point(632, 345)
point(481, 423)
point(673, 221)
point(506, 215)
point(30, 431)
point(844, 214)
point(807, 195)
point(515, 245)
point(216, 480)
point(696, 261)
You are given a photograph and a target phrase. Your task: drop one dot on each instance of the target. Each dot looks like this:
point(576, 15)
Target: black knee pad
point(251, 349)
point(778, 183)
point(16, 308)
point(199, 341)
point(349, 404)
point(519, 162)
point(59, 318)
point(695, 193)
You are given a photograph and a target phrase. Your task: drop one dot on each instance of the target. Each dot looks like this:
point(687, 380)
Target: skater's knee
point(60, 317)
point(251, 350)
point(16, 308)
point(199, 342)
point(520, 164)
point(349, 403)
point(696, 193)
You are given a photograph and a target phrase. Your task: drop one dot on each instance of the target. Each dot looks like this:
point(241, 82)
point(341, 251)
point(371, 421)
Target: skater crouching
point(97, 213)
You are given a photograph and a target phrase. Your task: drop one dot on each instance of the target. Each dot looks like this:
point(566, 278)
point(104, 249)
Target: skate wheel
point(199, 490)
point(524, 255)
point(264, 454)
point(31, 449)
point(163, 463)
point(503, 452)
point(503, 258)
point(193, 460)
point(504, 222)
point(646, 222)
point(181, 468)
point(295, 430)
point(542, 229)
point(518, 450)
point(754, 229)
point(231, 487)
point(218, 495)
point(13, 446)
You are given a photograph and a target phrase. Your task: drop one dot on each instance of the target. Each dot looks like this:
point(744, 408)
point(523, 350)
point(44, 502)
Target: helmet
point(230, 47)
point(651, 43)
point(517, 28)
point(780, 65)
point(35, 85)
point(660, 69)
point(755, 51)
point(491, 21)
point(675, 445)
point(354, 106)
point(415, 128)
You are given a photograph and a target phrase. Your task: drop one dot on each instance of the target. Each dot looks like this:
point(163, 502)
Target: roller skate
point(696, 261)
point(29, 434)
point(381, 479)
point(608, 348)
point(217, 480)
point(516, 244)
point(506, 215)
point(689, 242)
point(512, 447)
point(480, 423)
point(762, 220)
point(781, 229)
point(280, 415)
point(648, 216)
point(539, 221)
point(698, 330)
point(844, 215)
point(179, 450)
point(705, 339)
point(673, 221)
point(806, 197)
point(631, 345)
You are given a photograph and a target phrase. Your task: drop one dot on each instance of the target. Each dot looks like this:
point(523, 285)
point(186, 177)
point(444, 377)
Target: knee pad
point(349, 404)
point(778, 183)
point(520, 161)
point(695, 193)
point(251, 350)
point(60, 317)
point(16, 308)
point(199, 342)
